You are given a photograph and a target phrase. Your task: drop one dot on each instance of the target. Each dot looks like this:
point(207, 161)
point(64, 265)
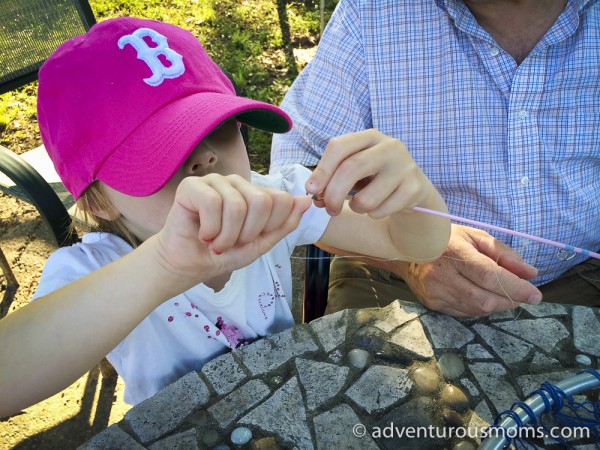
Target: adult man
point(499, 103)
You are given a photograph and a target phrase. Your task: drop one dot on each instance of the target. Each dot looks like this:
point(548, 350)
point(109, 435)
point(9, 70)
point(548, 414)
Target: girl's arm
point(53, 341)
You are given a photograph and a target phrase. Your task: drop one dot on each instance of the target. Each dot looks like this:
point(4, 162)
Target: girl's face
point(222, 152)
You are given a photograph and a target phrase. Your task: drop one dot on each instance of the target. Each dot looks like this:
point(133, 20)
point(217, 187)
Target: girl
point(191, 255)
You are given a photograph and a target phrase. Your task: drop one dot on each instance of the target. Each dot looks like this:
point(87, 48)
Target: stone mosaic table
point(358, 378)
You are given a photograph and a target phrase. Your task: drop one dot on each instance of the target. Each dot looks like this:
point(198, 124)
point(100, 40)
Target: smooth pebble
point(363, 317)
point(454, 398)
point(241, 435)
point(276, 381)
point(451, 366)
point(584, 360)
point(426, 379)
point(452, 418)
point(358, 358)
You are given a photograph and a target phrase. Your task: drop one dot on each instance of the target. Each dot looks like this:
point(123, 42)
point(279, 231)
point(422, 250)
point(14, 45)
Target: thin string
point(374, 258)
point(566, 247)
point(566, 253)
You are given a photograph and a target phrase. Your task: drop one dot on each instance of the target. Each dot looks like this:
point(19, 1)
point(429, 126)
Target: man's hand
point(476, 276)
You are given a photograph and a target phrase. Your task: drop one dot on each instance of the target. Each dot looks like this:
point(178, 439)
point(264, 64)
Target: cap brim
point(144, 162)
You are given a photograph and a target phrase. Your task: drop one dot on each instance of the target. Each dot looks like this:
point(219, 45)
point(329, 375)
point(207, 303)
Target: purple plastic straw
point(567, 247)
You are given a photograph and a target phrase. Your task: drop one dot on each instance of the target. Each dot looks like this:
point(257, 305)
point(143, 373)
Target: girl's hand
point(378, 169)
point(221, 223)
point(388, 184)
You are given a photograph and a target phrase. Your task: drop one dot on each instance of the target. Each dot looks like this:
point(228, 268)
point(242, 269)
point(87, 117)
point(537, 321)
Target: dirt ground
point(89, 405)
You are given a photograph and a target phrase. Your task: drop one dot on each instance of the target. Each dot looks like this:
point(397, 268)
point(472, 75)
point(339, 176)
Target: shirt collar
point(463, 18)
point(447, 5)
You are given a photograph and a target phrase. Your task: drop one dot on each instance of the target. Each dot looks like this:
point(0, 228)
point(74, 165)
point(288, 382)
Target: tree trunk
point(286, 37)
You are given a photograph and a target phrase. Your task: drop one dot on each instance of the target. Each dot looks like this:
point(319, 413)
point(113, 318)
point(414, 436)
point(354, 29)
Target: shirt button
point(522, 114)
point(494, 51)
point(525, 180)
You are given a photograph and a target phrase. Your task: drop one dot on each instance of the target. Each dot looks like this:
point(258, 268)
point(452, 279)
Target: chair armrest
point(31, 187)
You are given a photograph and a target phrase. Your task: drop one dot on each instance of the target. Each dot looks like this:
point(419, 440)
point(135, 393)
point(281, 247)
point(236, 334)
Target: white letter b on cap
point(150, 55)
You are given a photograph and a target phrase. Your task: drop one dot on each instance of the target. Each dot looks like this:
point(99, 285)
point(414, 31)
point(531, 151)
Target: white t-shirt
point(185, 332)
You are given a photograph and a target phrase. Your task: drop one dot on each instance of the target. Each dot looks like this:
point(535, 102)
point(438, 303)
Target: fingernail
point(535, 299)
point(310, 187)
point(207, 241)
point(216, 252)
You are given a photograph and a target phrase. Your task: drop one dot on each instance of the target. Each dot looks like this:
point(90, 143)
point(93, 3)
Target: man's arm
point(476, 276)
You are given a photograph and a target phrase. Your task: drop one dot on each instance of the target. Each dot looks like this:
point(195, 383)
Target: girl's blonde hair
point(94, 199)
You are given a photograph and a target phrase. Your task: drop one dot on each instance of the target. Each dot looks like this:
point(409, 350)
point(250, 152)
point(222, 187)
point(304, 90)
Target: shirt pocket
point(573, 136)
point(571, 147)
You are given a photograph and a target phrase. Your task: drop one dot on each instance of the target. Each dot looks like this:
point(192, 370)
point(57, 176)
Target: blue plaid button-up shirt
point(514, 146)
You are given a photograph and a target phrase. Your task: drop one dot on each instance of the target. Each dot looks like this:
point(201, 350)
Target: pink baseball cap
point(127, 102)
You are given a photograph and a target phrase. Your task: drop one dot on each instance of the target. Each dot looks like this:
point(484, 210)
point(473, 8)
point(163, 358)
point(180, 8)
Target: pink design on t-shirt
point(232, 334)
point(265, 301)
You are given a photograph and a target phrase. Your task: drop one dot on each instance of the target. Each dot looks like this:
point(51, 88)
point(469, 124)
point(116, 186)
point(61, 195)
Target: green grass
point(243, 36)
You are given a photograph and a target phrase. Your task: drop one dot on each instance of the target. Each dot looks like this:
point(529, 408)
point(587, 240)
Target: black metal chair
point(316, 282)
point(31, 30)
